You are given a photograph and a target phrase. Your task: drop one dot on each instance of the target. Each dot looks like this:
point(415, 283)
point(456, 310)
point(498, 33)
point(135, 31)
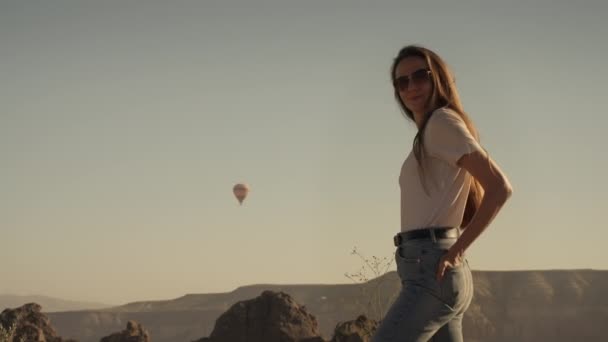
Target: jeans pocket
point(454, 286)
point(408, 262)
point(408, 255)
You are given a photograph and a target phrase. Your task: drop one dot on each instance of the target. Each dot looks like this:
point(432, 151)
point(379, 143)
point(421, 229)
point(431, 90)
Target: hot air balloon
point(240, 191)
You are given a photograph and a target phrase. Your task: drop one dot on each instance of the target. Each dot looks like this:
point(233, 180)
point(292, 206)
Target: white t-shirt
point(446, 139)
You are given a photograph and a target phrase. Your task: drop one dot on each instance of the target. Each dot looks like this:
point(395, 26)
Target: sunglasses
point(417, 77)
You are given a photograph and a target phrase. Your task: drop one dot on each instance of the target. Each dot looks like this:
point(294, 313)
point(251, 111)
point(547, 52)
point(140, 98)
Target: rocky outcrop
point(360, 330)
point(271, 317)
point(134, 333)
point(522, 306)
point(29, 324)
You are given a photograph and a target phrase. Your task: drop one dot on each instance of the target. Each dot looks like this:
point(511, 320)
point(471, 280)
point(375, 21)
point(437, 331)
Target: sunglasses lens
point(401, 83)
point(420, 75)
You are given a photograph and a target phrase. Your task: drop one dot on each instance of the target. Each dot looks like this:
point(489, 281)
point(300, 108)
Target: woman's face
point(413, 83)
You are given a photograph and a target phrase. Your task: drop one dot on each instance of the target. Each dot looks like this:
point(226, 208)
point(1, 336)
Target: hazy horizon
point(125, 125)
point(73, 301)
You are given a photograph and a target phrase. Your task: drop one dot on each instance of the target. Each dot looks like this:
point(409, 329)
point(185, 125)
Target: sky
point(125, 124)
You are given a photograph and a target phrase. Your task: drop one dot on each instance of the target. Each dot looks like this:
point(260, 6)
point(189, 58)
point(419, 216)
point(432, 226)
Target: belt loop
point(433, 237)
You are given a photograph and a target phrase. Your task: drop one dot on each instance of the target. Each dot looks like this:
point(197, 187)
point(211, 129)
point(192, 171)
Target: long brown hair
point(444, 94)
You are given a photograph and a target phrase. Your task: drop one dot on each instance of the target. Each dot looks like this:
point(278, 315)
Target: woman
point(450, 192)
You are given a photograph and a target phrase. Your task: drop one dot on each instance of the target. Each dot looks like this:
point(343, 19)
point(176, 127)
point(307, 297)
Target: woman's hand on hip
point(450, 259)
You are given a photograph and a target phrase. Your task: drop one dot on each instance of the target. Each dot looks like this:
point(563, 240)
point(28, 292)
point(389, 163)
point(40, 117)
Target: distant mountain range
point(49, 304)
point(523, 306)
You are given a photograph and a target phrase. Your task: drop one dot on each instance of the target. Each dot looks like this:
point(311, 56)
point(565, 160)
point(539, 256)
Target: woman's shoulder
point(448, 136)
point(443, 118)
point(444, 113)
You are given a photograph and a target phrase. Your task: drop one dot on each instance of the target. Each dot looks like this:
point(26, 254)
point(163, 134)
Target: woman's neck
point(419, 118)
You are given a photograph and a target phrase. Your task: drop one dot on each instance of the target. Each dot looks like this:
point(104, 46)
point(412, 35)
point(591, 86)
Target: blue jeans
point(427, 309)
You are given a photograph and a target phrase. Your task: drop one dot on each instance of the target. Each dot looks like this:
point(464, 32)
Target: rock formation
point(271, 317)
point(134, 333)
point(360, 330)
point(29, 324)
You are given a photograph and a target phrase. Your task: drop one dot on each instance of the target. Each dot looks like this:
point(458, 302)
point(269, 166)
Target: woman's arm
point(497, 190)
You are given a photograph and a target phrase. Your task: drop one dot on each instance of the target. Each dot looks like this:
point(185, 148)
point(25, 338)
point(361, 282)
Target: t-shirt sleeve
point(448, 138)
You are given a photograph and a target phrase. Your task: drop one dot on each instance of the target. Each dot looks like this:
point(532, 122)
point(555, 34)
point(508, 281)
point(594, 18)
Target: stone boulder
point(29, 324)
point(270, 317)
point(134, 333)
point(360, 330)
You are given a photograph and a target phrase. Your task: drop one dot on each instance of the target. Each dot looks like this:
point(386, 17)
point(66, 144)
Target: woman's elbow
point(505, 192)
point(500, 192)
